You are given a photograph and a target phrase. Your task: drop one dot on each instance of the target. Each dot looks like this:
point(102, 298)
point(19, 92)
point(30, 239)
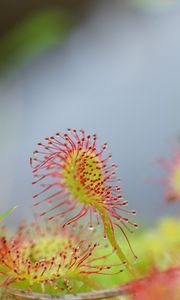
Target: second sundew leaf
point(28, 261)
point(83, 182)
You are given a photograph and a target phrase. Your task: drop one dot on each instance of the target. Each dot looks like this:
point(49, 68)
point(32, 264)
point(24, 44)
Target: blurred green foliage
point(35, 33)
point(156, 248)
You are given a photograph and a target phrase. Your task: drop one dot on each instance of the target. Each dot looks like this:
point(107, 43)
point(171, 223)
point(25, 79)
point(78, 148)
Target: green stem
point(111, 237)
point(2, 217)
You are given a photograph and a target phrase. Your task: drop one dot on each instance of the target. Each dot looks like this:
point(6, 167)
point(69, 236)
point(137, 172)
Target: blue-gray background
point(117, 75)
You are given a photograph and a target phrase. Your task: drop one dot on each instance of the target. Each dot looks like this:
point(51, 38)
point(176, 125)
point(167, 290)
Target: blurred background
point(110, 67)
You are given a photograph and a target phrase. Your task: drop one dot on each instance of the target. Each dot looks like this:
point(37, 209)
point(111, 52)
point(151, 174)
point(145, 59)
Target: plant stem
point(111, 237)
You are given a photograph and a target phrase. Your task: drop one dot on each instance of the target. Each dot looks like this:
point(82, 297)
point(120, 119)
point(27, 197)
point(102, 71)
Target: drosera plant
point(77, 179)
point(172, 179)
point(51, 260)
point(158, 285)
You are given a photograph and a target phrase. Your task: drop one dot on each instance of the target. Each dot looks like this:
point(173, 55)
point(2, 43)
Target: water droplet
point(91, 227)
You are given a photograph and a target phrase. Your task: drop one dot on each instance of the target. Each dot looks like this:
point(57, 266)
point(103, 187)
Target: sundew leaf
point(85, 184)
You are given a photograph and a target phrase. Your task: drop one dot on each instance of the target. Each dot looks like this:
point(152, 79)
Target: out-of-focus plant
point(38, 31)
point(158, 285)
point(157, 249)
point(172, 179)
point(159, 246)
